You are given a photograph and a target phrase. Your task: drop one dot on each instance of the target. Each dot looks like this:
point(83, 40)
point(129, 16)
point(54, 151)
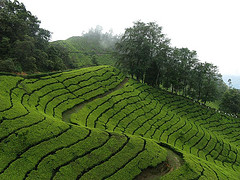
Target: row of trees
point(24, 46)
point(144, 52)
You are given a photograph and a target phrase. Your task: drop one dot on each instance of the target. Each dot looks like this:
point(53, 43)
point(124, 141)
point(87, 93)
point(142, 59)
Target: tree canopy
point(231, 101)
point(144, 52)
point(24, 46)
point(105, 41)
point(140, 46)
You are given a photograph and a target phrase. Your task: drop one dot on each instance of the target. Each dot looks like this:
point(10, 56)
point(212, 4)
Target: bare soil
point(172, 163)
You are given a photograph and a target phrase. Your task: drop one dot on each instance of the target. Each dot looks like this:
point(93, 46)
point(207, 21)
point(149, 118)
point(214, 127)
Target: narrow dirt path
point(66, 116)
point(173, 162)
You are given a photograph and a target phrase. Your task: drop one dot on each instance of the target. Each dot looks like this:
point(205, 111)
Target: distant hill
point(87, 51)
point(93, 123)
point(235, 80)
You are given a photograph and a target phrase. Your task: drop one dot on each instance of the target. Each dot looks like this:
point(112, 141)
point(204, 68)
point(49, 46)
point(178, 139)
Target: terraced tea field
point(93, 123)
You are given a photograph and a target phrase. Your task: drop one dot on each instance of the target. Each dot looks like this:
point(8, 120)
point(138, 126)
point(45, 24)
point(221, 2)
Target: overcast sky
point(211, 27)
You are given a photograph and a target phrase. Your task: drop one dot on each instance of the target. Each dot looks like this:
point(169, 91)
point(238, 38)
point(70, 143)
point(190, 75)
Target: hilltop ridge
point(88, 51)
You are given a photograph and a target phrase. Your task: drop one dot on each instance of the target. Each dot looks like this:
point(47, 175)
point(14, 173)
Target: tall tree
point(139, 47)
point(231, 101)
point(182, 64)
point(23, 44)
point(206, 82)
point(144, 52)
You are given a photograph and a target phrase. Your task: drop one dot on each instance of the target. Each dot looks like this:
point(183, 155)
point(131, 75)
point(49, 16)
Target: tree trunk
point(157, 78)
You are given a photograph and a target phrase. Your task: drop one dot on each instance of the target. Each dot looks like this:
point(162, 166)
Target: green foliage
point(99, 40)
point(92, 48)
point(144, 52)
point(115, 135)
point(7, 65)
point(139, 46)
point(24, 46)
point(202, 134)
point(231, 101)
point(35, 145)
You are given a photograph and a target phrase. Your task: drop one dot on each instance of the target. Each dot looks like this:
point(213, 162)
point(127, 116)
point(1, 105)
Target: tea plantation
point(93, 123)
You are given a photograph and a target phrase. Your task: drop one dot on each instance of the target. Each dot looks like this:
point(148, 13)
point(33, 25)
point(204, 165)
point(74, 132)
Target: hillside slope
point(120, 129)
point(86, 52)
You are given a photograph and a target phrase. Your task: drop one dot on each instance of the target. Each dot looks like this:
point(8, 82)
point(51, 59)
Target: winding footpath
point(173, 161)
point(66, 116)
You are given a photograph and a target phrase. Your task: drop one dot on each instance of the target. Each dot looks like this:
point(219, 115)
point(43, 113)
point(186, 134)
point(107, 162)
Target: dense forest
point(24, 46)
point(143, 52)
